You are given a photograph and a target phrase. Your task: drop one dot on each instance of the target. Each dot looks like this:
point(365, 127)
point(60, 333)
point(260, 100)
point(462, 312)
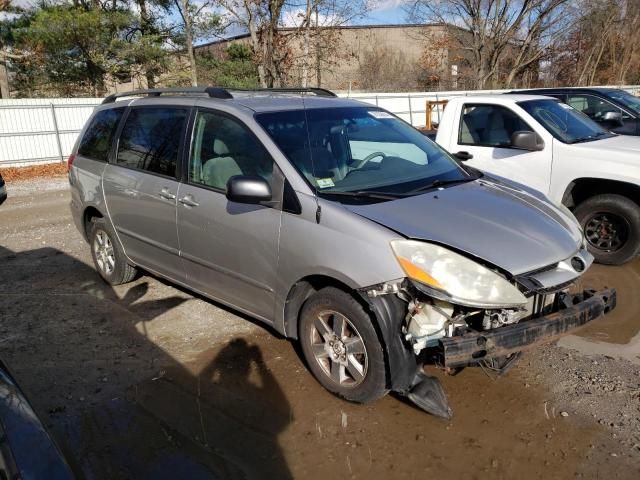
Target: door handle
point(165, 193)
point(463, 156)
point(188, 201)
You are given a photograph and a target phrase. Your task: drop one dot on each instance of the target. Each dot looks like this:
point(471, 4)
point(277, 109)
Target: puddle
point(254, 404)
point(618, 333)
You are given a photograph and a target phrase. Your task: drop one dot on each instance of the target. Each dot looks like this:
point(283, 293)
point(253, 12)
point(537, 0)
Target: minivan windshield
point(360, 152)
point(625, 98)
point(564, 122)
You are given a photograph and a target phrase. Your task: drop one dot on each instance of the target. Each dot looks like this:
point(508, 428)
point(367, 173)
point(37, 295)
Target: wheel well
point(583, 188)
point(301, 291)
point(386, 313)
point(89, 214)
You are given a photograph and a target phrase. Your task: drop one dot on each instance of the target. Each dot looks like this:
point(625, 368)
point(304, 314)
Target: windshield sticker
point(380, 114)
point(324, 182)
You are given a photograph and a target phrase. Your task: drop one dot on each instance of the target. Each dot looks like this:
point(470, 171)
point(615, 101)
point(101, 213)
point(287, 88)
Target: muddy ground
point(147, 381)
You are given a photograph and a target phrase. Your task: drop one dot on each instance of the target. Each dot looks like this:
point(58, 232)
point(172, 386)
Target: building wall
point(351, 56)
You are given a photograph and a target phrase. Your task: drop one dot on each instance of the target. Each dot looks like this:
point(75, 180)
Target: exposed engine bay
point(452, 336)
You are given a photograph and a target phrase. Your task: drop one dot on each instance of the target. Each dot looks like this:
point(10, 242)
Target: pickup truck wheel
point(611, 225)
point(108, 257)
point(341, 346)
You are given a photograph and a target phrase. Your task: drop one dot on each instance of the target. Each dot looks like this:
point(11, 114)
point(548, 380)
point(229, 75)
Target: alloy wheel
point(104, 252)
point(339, 349)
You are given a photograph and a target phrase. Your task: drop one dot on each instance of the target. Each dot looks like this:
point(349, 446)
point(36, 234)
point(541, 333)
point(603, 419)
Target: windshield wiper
point(441, 183)
point(365, 194)
point(589, 138)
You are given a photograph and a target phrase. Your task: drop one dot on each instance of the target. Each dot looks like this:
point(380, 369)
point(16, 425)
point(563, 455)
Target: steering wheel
point(371, 156)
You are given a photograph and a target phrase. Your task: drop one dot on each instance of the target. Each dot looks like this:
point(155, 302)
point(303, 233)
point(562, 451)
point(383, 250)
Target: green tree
point(73, 49)
point(197, 20)
point(236, 70)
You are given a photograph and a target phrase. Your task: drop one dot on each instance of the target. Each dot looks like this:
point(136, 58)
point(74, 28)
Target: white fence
point(44, 130)
point(41, 130)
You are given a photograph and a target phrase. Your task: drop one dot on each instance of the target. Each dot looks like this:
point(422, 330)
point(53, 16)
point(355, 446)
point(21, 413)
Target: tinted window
point(563, 122)
point(150, 139)
point(489, 126)
point(223, 147)
point(593, 107)
point(625, 98)
point(96, 142)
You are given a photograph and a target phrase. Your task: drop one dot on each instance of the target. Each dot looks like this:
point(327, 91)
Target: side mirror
point(613, 119)
point(248, 189)
point(526, 140)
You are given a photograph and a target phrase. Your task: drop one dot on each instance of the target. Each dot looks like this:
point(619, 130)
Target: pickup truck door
point(485, 132)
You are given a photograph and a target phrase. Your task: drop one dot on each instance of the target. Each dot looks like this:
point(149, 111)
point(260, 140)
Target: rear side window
point(96, 142)
point(150, 139)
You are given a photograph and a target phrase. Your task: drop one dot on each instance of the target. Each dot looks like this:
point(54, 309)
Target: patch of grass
point(12, 174)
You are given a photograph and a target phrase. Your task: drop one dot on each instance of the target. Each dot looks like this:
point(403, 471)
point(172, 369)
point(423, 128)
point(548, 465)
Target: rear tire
point(341, 346)
point(108, 256)
point(611, 224)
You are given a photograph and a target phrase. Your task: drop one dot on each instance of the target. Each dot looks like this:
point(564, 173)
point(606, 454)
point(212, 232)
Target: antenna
point(313, 166)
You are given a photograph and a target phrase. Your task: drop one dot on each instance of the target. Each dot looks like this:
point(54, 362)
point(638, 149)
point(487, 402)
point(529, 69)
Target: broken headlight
point(449, 276)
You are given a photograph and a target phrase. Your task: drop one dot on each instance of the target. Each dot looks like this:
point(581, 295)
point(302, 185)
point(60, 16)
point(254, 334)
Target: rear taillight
point(70, 160)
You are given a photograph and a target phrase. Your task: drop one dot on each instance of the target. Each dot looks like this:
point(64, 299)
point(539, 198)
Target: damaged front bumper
point(574, 311)
point(506, 342)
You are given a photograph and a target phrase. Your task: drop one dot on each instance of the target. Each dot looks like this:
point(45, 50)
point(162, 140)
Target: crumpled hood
point(491, 220)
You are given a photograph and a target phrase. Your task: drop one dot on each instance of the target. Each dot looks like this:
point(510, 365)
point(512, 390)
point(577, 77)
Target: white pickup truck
point(542, 143)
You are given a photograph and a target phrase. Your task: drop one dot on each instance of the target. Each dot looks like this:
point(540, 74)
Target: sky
point(385, 12)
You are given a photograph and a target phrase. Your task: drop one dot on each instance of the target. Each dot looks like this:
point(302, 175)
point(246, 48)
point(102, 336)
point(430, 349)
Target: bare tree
point(500, 35)
point(602, 45)
point(315, 22)
point(196, 20)
point(261, 19)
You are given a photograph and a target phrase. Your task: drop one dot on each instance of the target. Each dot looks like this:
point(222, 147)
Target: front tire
point(611, 224)
point(108, 257)
point(341, 346)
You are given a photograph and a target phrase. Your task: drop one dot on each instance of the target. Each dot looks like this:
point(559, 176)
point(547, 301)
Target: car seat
point(497, 134)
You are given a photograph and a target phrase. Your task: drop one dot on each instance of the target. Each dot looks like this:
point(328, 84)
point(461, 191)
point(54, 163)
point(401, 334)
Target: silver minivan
point(336, 223)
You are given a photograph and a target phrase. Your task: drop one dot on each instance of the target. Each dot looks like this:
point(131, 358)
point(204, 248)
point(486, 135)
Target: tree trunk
point(318, 53)
point(4, 81)
point(257, 51)
point(145, 28)
point(305, 49)
point(188, 33)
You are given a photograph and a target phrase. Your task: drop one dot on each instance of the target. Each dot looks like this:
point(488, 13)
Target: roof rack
point(320, 92)
point(214, 92)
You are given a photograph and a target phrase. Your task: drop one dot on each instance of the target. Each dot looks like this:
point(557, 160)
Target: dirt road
point(147, 381)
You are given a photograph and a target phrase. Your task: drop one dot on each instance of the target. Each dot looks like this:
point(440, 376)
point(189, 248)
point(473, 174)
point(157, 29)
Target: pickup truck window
point(593, 107)
point(625, 98)
point(564, 122)
point(486, 125)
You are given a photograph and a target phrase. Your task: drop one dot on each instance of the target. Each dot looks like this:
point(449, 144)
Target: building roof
point(241, 36)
